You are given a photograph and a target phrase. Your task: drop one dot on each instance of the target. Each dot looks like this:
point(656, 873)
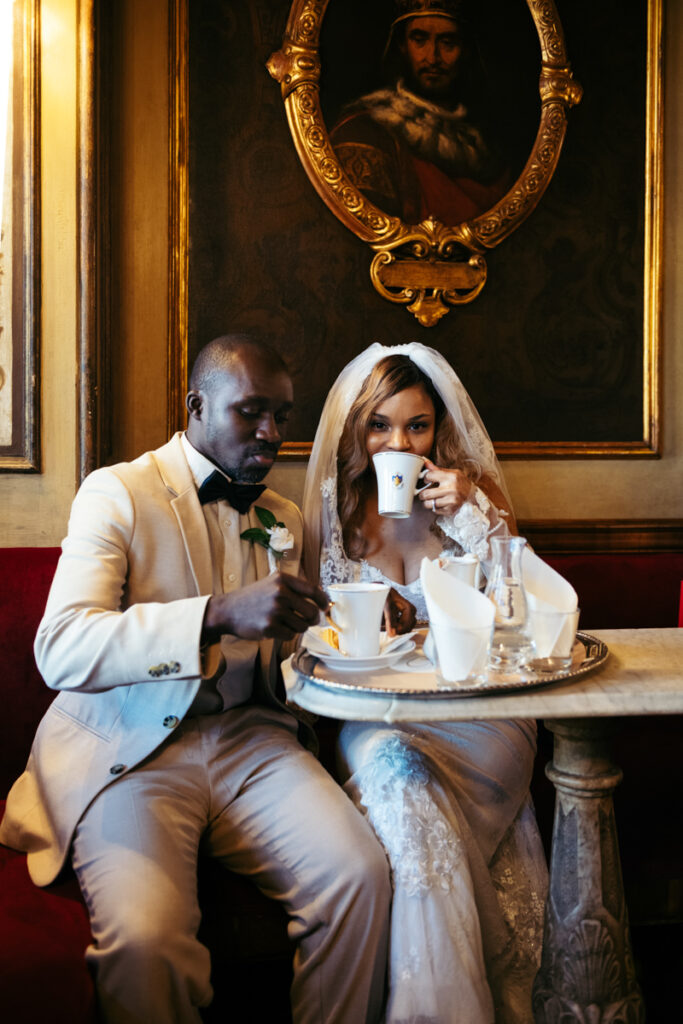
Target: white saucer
point(390, 651)
point(344, 663)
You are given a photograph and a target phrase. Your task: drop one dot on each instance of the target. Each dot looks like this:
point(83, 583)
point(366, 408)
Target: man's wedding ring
point(433, 504)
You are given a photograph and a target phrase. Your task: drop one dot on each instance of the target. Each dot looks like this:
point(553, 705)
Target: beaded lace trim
point(470, 527)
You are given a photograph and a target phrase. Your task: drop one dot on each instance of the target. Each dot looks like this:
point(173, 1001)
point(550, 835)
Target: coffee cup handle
point(418, 490)
point(330, 619)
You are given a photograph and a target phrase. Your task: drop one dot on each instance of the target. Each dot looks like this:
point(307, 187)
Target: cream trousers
point(240, 787)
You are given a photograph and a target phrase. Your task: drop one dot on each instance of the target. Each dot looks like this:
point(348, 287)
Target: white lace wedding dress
point(450, 804)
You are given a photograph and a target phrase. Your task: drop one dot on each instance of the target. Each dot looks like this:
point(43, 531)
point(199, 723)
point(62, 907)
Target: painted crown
point(414, 8)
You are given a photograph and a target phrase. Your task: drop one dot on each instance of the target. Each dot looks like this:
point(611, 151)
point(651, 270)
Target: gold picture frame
point(428, 267)
point(20, 245)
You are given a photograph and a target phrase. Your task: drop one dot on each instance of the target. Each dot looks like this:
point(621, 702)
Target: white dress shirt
point(233, 567)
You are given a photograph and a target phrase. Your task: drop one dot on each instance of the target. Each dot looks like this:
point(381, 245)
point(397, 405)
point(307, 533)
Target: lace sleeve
point(335, 567)
point(473, 525)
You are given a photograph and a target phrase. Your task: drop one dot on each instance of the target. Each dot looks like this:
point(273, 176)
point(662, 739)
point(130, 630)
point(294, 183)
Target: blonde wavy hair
point(390, 376)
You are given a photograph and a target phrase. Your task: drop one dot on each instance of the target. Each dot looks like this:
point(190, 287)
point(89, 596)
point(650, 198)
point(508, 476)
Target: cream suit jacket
point(120, 640)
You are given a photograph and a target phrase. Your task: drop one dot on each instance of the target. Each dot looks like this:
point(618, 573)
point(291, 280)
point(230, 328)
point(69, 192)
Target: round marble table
point(587, 972)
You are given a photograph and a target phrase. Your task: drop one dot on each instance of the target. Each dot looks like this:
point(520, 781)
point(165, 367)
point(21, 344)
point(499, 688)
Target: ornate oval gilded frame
point(430, 266)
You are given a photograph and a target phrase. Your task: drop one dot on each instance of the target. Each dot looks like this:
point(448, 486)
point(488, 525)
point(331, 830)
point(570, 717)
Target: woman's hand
point(451, 489)
point(399, 614)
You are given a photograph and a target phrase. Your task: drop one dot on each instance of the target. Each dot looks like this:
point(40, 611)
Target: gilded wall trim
point(178, 214)
point(20, 254)
point(654, 251)
point(87, 242)
point(93, 236)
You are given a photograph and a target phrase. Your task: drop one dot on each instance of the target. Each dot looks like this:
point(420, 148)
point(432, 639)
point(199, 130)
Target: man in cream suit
point(161, 635)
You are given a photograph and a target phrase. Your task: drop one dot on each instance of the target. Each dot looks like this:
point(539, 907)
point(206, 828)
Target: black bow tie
point(241, 496)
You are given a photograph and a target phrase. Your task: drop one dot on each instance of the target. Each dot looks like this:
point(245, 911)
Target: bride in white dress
point(449, 801)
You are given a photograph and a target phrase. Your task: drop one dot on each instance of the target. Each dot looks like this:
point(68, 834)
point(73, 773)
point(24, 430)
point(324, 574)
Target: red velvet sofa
point(44, 932)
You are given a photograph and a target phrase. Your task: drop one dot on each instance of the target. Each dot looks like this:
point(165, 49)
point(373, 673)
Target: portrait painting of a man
point(559, 326)
point(426, 143)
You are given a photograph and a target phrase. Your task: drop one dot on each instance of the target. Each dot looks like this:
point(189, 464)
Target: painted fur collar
point(444, 137)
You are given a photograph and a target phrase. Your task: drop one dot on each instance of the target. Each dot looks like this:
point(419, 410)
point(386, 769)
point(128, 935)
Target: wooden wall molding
point(178, 128)
point(610, 536)
point(87, 242)
point(93, 233)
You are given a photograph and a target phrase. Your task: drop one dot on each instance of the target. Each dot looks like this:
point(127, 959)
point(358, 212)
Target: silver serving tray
point(588, 653)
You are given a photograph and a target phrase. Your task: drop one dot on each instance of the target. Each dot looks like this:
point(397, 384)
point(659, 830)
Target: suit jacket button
point(154, 670)
point(171, 721)
point(174, 666)
point(116, 769)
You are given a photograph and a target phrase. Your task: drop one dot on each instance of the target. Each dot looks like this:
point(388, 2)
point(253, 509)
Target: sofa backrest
point(624, 591)
point(26, 574)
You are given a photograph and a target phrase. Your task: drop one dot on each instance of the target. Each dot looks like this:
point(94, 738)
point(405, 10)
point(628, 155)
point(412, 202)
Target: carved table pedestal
point(587, 973)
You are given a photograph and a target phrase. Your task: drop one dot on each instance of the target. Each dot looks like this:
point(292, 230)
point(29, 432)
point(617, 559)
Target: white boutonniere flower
point(274, 537)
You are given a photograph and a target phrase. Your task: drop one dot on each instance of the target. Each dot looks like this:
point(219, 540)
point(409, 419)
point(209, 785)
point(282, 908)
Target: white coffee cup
point(397, 474)
point(462, 567)
point(356, 613)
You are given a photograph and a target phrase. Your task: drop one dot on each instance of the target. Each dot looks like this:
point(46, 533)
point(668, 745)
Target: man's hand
point(280, 605)
point(399, 614)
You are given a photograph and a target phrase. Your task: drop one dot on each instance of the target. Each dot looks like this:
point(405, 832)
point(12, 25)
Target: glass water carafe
point(512, 644)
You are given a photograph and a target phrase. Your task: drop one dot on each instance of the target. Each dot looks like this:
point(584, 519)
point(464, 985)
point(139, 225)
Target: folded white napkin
point(460, 622)
point(545, 586)
point(553, 605)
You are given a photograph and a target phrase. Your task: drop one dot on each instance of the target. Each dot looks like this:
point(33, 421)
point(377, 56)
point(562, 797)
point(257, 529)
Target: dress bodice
point(337, 567)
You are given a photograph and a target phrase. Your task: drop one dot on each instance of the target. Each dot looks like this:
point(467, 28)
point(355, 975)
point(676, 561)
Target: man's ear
point(194, 404)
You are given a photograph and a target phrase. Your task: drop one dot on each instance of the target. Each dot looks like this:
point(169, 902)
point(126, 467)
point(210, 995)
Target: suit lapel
point(177, 477)
point(261, 562)
point(195, 535)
